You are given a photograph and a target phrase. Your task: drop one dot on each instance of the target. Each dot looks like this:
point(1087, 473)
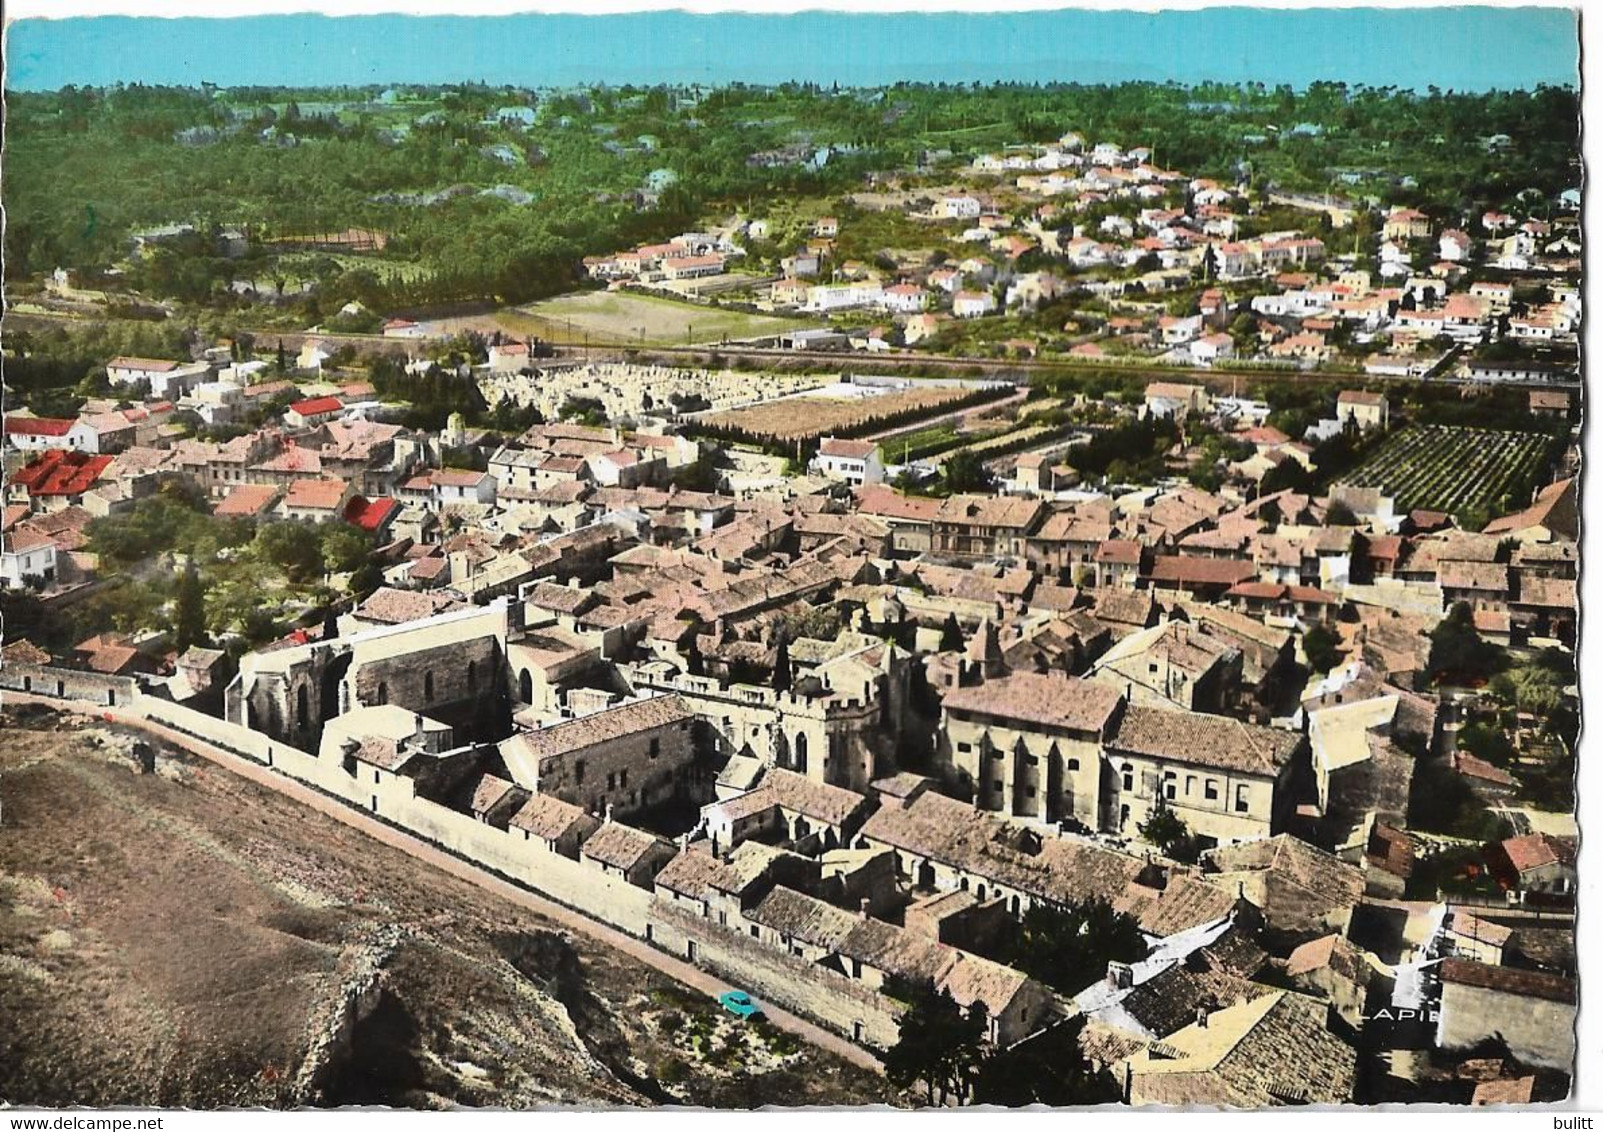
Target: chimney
point(1202, 1016)
point(607, 819)
point(1120, 975)
point(862, 908)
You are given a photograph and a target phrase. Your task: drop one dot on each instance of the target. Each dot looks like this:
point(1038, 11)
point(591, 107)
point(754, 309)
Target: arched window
point(526, 687)
point(428, 686)
point(383, 692)
point(801, 753)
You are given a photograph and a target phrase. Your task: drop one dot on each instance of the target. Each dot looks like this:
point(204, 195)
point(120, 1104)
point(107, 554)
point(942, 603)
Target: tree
point(1319, 646)
point(1457, 650)
point(1048, 1069)
point(1163, 827)
point(938, 1045)
point(1338, 514)
point(292, 547)
point(965, 471)
point(344, 548)
point(782, 674)
point(1069, 948)
point(1530, 689)
point(1289, 474)
point(189, 621)
point(1488, 743)
point(1168, 832)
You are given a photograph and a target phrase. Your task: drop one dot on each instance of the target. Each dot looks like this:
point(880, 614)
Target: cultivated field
point(618, 318)
point(1444, 468)
point(189, 939)
point(807, 417)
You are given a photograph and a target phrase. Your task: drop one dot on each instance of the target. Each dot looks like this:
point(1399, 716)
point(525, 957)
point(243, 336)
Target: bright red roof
point(370, 514)
point(318, 405)
point(59, 472)
point(38, 426)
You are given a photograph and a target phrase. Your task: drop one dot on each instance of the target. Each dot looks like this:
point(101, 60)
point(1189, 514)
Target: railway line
point(1019, 371)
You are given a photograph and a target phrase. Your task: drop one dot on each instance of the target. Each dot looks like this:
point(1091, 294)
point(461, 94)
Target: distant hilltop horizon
point(401, 88)
point(1470, 49)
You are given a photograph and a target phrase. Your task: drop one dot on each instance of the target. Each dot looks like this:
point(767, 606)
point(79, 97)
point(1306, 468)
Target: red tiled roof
point(1312, 594)
point(246, 499)
point(847, 449)
point(1264, 435)
point(1470, 766)
point(1535, 850)
point(318, 405)
point(887, 502)
point(1509, 980)
point(1123, 551)
point(427, 568)
point(1060, 701)
point(1205, 571)
point(370, 514)
point(320, 494)
point(1274, 591)
point(112, 659)
point(61, 473)
point(1386, 547)
point(151, 365)
point(24, 539)
point(38, 426)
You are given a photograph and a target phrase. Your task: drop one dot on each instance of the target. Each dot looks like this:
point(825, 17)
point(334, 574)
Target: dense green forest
point(603, 168)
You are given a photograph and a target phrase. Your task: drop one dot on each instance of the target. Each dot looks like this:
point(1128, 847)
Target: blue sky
point(1453, 48)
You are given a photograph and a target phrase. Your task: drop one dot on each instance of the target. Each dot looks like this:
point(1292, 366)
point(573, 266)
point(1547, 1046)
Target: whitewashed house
point(856, 462)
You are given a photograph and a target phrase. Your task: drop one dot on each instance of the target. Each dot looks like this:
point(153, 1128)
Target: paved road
point(429, 854)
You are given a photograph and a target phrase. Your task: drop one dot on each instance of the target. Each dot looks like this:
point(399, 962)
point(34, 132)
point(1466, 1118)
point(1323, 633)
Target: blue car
point(740, 1004)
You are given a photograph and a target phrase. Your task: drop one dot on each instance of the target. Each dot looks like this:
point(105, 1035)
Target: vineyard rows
point(1443, 468)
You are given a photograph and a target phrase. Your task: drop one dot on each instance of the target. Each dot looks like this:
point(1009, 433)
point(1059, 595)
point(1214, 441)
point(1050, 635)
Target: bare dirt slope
point(185, 938)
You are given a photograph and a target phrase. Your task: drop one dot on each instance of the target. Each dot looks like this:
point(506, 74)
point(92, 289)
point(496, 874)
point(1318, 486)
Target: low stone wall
point(605, 897)
point(833, 1000)
point(829, 998)
point(68, 684)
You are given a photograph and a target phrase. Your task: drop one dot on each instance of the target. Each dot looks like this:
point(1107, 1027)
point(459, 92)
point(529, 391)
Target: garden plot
point(844, 409)
point(1444, 468)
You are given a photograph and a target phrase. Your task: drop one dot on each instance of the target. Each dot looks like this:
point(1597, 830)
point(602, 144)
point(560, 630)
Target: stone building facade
point(835, 726)
point(451, 667)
